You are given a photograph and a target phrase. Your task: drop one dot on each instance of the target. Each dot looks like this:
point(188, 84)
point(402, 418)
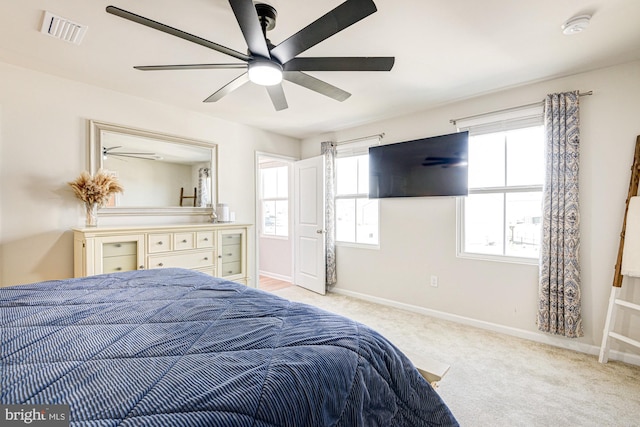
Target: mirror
point(161, 174)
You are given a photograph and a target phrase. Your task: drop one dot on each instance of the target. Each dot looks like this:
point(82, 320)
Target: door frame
point(290, 160)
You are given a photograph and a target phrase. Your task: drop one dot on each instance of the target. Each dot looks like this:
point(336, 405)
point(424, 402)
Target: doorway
point(274, 221)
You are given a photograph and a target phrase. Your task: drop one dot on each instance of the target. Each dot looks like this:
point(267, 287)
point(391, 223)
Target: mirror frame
point(95, 162)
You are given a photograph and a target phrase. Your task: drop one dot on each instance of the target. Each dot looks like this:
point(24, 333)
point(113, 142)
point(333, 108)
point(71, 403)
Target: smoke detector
point(62, 28)
point(576, 25)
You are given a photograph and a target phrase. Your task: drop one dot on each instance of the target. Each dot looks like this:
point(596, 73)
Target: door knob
point(319, 231)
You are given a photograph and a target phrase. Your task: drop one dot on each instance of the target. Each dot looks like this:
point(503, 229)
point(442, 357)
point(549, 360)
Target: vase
point(92, 214)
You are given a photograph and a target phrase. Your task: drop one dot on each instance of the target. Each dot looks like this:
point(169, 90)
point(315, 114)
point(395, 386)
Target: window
point(501, 216)
point(356, 215)
point(274, 192)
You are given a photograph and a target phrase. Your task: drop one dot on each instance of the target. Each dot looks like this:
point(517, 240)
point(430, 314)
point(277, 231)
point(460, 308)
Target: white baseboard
point(632, 359)
point(276, 276)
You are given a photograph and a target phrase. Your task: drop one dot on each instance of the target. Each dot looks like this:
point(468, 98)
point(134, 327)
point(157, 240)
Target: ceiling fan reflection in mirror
point(445, 162)
point(109, 151)
point(267, 64)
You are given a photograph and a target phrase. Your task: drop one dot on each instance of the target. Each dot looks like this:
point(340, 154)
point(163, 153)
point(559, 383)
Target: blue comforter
point(179, 348)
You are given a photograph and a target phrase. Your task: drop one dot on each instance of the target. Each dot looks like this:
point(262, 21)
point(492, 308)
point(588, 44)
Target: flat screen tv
point(434, 166)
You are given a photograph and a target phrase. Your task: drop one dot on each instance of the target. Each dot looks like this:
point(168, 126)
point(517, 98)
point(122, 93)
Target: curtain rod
point(533, 104)
point(363, 138)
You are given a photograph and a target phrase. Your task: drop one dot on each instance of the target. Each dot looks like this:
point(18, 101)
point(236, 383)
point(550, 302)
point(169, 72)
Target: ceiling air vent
point(63, 29)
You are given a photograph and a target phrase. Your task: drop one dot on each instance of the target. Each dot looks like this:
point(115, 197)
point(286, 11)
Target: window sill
point(358, 245)
point(271, 236)
point(499, 258)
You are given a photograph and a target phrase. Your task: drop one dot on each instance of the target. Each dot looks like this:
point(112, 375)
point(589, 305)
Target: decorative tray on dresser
point(216, 249)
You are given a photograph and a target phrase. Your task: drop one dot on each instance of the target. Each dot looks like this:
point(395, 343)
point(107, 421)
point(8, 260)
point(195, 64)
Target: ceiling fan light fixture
point(265, 72)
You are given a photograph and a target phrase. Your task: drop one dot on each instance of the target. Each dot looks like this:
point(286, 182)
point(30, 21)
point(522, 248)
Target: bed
point(175, 347)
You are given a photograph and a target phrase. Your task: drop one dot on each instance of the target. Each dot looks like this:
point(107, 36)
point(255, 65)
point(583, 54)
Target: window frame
point(275, 199)
point(526, 119)
point(460, 215)
point(360, 148)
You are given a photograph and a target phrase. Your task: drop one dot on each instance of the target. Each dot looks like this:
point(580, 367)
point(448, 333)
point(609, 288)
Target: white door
point(309, 211)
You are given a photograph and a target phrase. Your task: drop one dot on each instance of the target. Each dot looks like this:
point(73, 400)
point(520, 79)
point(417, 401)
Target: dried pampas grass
point(96, 189)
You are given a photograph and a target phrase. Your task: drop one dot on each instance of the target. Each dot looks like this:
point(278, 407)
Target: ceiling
point(445, 51)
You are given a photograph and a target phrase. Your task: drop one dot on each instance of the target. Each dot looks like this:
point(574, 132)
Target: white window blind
point(504, 120)
point(356, 148)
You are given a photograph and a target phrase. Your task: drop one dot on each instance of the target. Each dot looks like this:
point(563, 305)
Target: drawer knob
point(160, 242)
point(206, 258)
point(220, 256)
point(206, 239)
point(184, 241)
point(141, 267)
point(118, 268)
point(118, 245)
point(161, 265)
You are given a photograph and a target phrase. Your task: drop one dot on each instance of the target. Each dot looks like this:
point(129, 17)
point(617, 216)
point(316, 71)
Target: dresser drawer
point(159, 243)
point(231, 268)
point(114, 264)
point(183, 241)
point(230, 253)
point(204, 239)
point(198, 259)
point(119, 248)
point(231, 239)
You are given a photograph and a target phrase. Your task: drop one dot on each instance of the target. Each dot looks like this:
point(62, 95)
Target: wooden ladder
point(614, 300)
point(194, 197)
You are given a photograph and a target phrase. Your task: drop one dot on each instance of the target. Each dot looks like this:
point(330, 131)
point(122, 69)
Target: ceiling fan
point(268, 64)
point(109, 151)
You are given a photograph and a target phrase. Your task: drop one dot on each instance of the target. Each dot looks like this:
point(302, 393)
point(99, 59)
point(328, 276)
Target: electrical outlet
point(434, 281)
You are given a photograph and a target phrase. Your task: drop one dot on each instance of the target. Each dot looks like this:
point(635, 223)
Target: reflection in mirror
point(159, 172)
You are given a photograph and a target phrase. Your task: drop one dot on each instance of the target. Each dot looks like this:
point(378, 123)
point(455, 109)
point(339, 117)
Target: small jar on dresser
point(216, 249)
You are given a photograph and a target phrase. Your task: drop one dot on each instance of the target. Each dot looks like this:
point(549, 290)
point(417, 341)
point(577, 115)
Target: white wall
point(417, 236)
point(276, 258)
point(44, 137)
point(1, 187)
point(153, 183)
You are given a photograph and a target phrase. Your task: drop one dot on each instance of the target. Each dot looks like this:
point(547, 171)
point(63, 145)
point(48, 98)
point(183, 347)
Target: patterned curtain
point(328, 149)
point(203, 188)
point(559, 308)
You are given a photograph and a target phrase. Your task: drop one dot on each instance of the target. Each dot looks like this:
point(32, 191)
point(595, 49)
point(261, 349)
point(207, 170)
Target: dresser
point(216, 249)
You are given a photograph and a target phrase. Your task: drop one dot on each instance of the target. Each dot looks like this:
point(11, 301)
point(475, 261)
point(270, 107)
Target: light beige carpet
point(498, 380)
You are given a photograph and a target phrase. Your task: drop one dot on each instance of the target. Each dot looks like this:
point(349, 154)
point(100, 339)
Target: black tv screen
point(434, 166)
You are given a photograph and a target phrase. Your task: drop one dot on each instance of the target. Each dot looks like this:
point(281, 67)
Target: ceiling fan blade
point(190, 67)
point(175, 32)
point(249, 22)
point(316, 85)
point(131, 153)
point(348, 13)
point(276, 93)
point(228, 88)
point(340, 64)
point(131, 156)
